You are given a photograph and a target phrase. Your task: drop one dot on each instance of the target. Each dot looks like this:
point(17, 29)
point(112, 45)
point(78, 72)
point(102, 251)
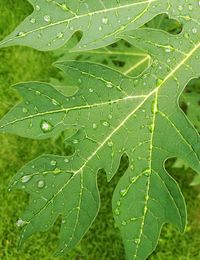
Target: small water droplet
point(105, 20)
point(194, 30)
point(75, 141)
point(21, 34)
point(53, 162)
point(25, 110)
point(110, 143)
point(26, 178)
point(47, 18)
point(60, 35)
point(94, 126)
point(109, 85)
point(37, 8)
point(66, 160)
point(124, 223)
point(123, 192)
point(105, 123)
point(91, 90)
point(32, 20)
point(41, 184)
point(117, 212)
point(46, 126)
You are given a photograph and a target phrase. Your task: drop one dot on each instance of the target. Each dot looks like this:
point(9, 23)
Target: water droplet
point(38, 93)
point(100, 28)
point(32, 20)
point(57, 171)
point(118, 203)
point(37, 8)
point(75, 141)
point(105, 123)
point(46, 126)
point(180, 8)
point(159, 82)
point(91, 90)
point(124, 223)
point(26, 178)
point(132, 179)
point(60, 35)
point(109, 85)
point(66, 160)
point(194, 30)
point(110, 116)
point(110, 143)
point(123, 192)
point(25, 110)
point(105, 20)
point(20, 223)
point(94, 126)
point(54, 102)
point(136, 241)
point(47, 18)
point(41, 184)
point(117, 212)
point(53, 162)
point(21, 34)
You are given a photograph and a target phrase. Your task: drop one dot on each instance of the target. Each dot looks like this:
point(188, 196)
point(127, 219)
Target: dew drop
point(109, 85)
point(66, 160)
point(25, 110)
point(94, 126)
point(32, 20)
point(20, 223)
point(21, 34)
point(75, 141)
point(194, 30)
point(110, 143)
point(47, 18)
point(91, 90)
point(26, 178)
point(46, 126)
point(123, 192)
point(105, 20)
point(41, 184)
point(60, 35)
point(118, 203)
point(53, 162)
point(37, 8)
point(105, 123)
point(124, 223)
point(117, 212)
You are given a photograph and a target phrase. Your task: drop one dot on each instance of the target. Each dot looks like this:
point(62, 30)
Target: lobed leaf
point(114, 114)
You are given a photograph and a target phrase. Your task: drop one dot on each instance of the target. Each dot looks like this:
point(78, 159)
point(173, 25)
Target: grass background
point(103, 240)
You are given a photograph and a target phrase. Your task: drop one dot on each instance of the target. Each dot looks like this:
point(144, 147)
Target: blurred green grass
point(103, 240)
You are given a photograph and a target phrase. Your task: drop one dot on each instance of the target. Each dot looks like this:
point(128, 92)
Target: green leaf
point(116, 114)
point(52, 23)
point(58, 190)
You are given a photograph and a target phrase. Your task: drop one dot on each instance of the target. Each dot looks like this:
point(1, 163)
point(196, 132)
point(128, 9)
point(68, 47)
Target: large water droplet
point(46, 126)
point(20, 223)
